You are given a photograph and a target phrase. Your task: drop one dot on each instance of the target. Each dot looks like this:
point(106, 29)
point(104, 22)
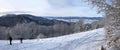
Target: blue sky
point(49, 7)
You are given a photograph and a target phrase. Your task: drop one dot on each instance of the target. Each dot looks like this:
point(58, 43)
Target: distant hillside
point(75, 19)
point(12, 19)
point(91, 18)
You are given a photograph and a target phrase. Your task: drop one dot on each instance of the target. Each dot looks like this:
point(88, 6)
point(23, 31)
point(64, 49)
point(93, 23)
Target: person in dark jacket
point(21, 40)
point(10, 39)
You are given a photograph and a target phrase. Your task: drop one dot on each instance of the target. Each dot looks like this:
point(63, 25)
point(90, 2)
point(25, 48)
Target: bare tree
point(24, 30)
point(97, 24)
point(3, 33)
point(111, 11)
point(79, 26)
point(87, 27)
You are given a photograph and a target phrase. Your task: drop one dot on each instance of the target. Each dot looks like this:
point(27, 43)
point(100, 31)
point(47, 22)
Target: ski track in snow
point(78, 41)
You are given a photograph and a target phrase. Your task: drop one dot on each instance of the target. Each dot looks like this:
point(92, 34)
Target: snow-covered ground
point(89, 40)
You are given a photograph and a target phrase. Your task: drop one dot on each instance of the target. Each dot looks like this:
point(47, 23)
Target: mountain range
point(10, 20)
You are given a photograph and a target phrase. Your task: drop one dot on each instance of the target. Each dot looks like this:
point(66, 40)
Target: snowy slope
point(89, 40)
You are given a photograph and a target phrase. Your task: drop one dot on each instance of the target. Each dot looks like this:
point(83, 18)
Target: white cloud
point(73, 11)
point(36, 6)
point(5, 6)
point(49, 7)
point(71, 8)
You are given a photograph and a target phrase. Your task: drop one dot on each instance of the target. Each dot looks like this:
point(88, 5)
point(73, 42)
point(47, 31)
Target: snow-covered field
point(89, 40)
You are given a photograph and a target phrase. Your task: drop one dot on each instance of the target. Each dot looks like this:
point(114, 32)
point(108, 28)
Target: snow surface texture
point(89, 40)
